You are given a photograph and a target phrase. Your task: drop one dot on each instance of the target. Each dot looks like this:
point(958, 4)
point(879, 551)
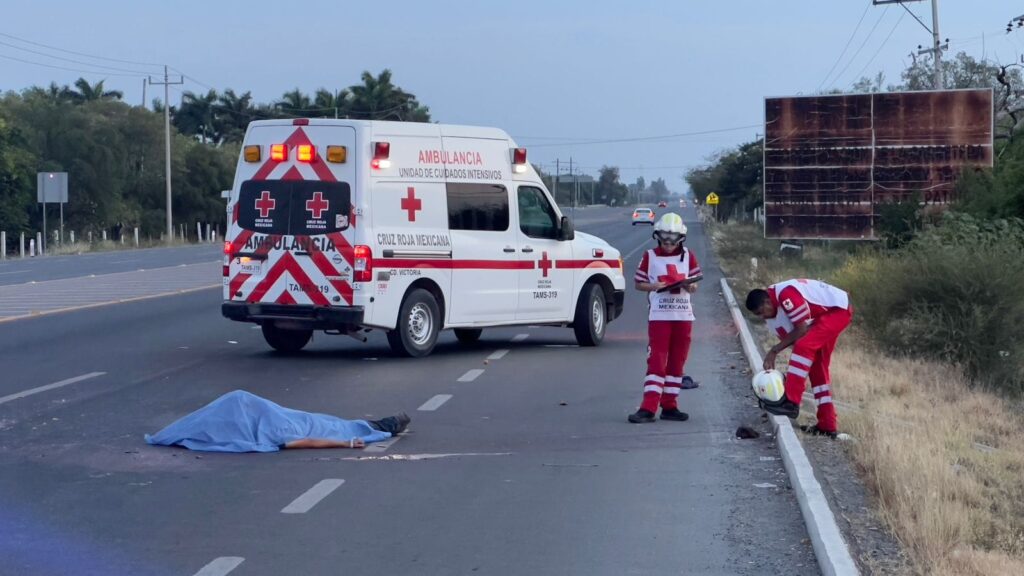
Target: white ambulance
point(346, 225)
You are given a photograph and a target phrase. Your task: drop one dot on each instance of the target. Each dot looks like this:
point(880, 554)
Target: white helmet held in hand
point(769, 386)
point(670, 228)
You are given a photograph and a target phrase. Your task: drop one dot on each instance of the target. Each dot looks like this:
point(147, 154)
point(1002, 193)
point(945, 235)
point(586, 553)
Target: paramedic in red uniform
point(670, 320)
point(808, 315)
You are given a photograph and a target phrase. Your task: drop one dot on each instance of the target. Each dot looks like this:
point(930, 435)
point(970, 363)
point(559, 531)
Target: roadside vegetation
point(930, 379)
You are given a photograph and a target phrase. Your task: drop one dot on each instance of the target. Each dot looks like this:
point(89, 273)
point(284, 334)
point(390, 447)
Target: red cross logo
point(411, 203)
point(265, 204)
point(317, 205)
point(672, 277)
point(544, 263)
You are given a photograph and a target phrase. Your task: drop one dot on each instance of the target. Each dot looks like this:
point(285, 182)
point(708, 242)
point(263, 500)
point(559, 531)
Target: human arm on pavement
point(785, 342)
point(325, 443)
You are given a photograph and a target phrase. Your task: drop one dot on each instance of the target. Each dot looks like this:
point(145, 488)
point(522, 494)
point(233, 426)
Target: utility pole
point(556, 180)
point(167, 144)
point(937, 45)
point(143, 92)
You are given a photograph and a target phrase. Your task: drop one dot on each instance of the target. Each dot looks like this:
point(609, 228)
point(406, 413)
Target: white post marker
point(208, 237)
point(22, 244)
point(72, 236)
point(136, 236)
point(32, 248)
point(199, 231)
point(3, 245)
point(220, 566)
point(311, 497)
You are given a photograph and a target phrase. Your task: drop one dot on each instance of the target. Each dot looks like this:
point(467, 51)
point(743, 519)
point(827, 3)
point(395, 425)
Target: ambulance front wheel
point(419, 321)
point(287, 341)
point(468, 335)
point(591, 317)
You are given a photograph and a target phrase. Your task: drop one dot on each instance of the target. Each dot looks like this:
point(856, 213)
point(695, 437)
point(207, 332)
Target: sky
point(653, 87)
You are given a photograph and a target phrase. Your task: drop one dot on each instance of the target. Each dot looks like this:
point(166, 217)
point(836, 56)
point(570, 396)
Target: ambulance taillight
point(278, 152)
point(381, 155)
point(227, 249)
point(304, 153)
point(519, 160)
point(362, 264)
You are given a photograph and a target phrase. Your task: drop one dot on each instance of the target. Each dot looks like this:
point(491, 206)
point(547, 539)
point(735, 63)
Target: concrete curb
point(829, 547)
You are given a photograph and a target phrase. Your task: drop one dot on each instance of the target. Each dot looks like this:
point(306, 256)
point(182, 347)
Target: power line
point(95, 72)
point(875, 55)
point(44, 54)
point(647, 138)
point(862, 44)
point(843, 53)
point(78, 53)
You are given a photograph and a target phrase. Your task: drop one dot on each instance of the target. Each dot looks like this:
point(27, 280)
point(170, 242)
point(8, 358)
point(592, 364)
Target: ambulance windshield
point(294, 207)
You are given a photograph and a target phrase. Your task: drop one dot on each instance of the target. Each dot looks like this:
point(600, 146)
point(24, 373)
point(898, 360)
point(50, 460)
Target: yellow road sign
point(712, 199)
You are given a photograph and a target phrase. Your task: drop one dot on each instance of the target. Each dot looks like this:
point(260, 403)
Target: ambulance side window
point(537, 219)
point(481, 207)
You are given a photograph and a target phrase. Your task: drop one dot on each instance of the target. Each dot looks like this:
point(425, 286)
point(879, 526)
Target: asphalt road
point(16, 270)
point(519, 459)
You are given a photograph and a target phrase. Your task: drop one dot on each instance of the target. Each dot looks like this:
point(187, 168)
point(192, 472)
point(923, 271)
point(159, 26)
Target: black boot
point(641, 416)
point(393, 424)
point(674, 414)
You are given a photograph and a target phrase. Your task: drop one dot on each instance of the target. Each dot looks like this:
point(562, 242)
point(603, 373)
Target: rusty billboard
point(831, 162)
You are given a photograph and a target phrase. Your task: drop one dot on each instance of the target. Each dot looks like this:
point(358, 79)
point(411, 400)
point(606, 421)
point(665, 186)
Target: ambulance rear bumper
point(316, 317)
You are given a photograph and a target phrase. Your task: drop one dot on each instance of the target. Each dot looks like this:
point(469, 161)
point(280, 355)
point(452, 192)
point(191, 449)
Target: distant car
point(662, 204)
point(682, 203)
point(643, 216)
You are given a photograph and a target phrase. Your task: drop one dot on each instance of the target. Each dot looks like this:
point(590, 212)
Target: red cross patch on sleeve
point(787, 304)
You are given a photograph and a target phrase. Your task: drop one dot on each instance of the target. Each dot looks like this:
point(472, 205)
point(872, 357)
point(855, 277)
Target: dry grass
point(944, 461)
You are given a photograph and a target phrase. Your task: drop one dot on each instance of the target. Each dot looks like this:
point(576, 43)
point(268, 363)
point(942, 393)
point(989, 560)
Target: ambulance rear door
point(293, 225)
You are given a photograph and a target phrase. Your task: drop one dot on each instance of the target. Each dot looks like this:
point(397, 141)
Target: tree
point(378, 99)
point(294, 103)
point(234, 112)
point(197, 116)
point(659, 189)
point(90, 92)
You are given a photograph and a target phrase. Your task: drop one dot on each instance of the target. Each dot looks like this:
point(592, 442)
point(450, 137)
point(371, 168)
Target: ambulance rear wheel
point(591, 318)
point(419, 322)
point(468, 335)
point(288, 341)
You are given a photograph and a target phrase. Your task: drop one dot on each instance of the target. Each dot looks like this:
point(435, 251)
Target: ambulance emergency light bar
point(519, 160)
point(303, 153)
point(381, 155)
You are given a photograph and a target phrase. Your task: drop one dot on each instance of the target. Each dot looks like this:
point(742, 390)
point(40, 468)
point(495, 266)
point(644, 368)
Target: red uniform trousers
point(667, 349)
point(811, 357)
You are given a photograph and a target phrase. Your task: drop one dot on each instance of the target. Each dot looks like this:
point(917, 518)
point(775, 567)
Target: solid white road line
point(382, 446)
point(520, 337)
point(220, 566)
point(18, 395)
point(318, 492)
point(498, 354)
point(471, 375)
point(435, 403)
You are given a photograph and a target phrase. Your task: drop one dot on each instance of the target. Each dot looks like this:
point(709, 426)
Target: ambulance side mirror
point(565, 229)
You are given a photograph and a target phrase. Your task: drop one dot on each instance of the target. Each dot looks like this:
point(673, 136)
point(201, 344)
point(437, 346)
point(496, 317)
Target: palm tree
point(330, 104)
point(197, 115)
point(89, 93)
point(234, 113)
point(294, 103)
point(378, 99)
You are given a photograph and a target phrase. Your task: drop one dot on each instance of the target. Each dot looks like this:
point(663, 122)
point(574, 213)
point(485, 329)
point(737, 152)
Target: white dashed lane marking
point(311, 497)
point(497, 354)
point(220, 566)
point(520, 337)
point(471, 375)
point(39, 389)
point(435, 403)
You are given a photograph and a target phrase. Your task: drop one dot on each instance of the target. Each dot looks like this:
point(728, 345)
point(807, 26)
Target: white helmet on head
point(769, 386)
point(670, 228)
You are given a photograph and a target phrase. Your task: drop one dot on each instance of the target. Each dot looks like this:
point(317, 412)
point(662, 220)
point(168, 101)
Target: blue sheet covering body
point(242, 422)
